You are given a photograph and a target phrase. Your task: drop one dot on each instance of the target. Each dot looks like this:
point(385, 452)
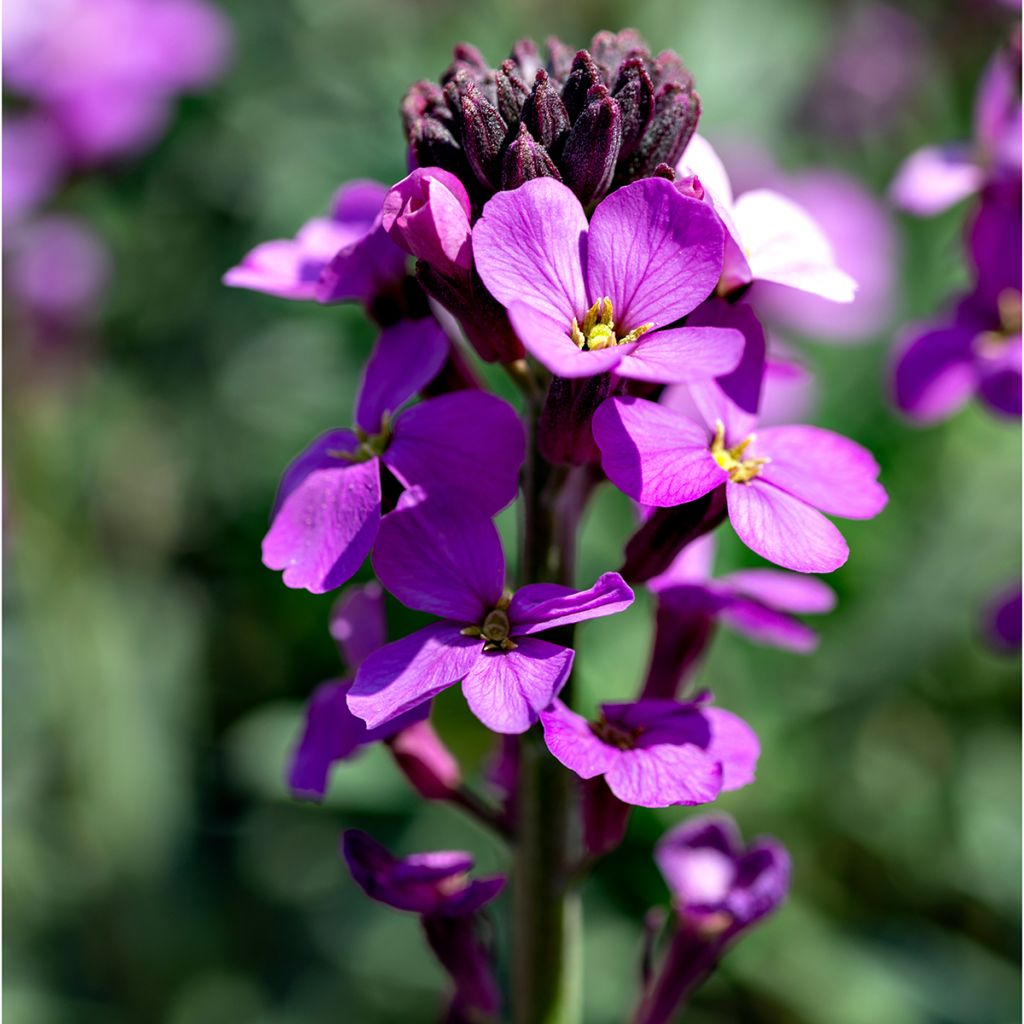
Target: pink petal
point(767, 626)
point(683, 355)
point(540, 606)
point(406, 358)
point(548, 341)
point(783, 244)
point(653, 455)
point(800, 594)
point(735, 745)
point(656, 254)
point(409, 671)
point(935, 178)
point(783, 529)
point(826, 470)
point(700, 158)
point(466, 442)
point(665, 775)
point(571, 740)
point(527, 246)
point(439, 557)
point(508, 690)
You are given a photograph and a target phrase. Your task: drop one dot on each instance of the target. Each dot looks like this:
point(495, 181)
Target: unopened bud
point(483, 136)
point(634, 92)
point(545, 115)
point(525, 160)
point(592, 148)
point(512, 92)
point(676, 111)
point(426, 762)
point(583, 76)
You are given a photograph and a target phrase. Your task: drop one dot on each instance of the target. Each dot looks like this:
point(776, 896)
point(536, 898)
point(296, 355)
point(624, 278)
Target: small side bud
point(689, 186)
point(426, 762)
point(483, 136)
point(433, 145)
point(584, 74)
point(592, 149)
point(421, 100)
point(559, 58)
point(525, 160)
point(634, 92)
point(512, 93)
point(676, 111)
point(545, 115)
point(524, 53)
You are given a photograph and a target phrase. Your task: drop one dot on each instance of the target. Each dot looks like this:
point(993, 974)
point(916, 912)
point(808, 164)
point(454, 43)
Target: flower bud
point(634, 92)
point(676, 110)
point(512, 92)
point(563, 433)
point(605, 817)
point(524, 54)
point(525, 159)
point(426, 762)
point(483, 135)
point(545, 115)
point(433, 145)
point(421, 100)
point(559, 58)
point(592, 147)
point(583, 76)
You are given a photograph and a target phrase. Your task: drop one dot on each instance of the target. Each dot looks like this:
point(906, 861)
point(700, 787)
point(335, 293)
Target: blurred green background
point(155, 868)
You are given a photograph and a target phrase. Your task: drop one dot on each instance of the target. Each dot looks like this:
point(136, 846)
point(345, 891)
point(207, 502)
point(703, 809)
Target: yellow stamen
point(740, 470)
point(598, 330)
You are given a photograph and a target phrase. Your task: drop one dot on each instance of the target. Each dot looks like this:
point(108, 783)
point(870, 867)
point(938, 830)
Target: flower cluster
point(565, 216)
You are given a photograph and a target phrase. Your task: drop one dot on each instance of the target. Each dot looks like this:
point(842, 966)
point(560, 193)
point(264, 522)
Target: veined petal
point(507, 690)
point(935, 178)
point(361, 271)
point(665, 775)
point(784, 529)
point(466, 442)
point(656, 254)
point(571, 740)
point(406, 358)
point(803, 595)
point(784, 244)
point(824, 469)
point(683, 355)
point(735, 745)
point(440, 557)
point(548, 341)
point(528, 245)
point(402, 675)
point(652, 454)
point(540, 606)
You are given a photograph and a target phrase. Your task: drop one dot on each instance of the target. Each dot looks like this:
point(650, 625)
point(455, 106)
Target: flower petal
point(804, 595)
point(652, 454)
point(735, 745)
point(363, 269)
point(935, 178)
point(528, 245)
point(508, 690)
point(934, 373)
point(784, 529)
point(326, 521)
point(404, 674)
point(656, 254)
point(665, 775)
point(768, 626)
point(437, 556)
point(358, 624)
point(540, 606)
point(700, 158)
point(466, 442)
point(824, 469)
point(406, 358)
point(743, 385)
point(682, 355)
point(571, 740)
point(549, 342)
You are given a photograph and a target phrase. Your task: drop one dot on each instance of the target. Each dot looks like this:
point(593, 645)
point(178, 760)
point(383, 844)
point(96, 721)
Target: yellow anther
point(598, 330)
point(740, 470)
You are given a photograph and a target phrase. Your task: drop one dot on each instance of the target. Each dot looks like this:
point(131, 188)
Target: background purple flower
point(1003, 620)
point(447, 561)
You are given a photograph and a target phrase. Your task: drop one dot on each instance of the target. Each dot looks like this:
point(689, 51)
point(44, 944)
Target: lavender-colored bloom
point(717, 882)
point(768, 237)
point(656, 753)
point(778, 482)
point(762, 604)
point(328, 505)
point(585, 302)
point(447, 560)
point(937, 177)
point(33, 163)
point(345, 256)
point(1003, 621)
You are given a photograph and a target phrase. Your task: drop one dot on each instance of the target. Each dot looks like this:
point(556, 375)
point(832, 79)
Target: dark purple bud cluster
point(594, 120)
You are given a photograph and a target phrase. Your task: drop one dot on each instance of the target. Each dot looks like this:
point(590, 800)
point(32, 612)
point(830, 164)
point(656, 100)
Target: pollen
point(741, 470)
point(598, 328)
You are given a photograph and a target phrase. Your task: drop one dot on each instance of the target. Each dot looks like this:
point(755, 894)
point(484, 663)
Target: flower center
point(740, 470)
point(598, 328)
point(495, 628)
point(624, 739)
point(371, 446)
point(990, 343)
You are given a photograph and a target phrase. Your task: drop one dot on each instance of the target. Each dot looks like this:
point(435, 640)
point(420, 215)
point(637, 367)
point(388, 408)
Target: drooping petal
point(548, 341)
point(802, 595)
point(467, 442)
point(540, 606)
point(508, 690)
point(437, 556)
point(934, 373)
point(406, 358)
point(326, 516)
point(784, 529)
point(682, 355)
point(735, 745)
point(768, 626)
point(528, 246)
point(402, 675)
point(935, 178)
point(665, 775)
point(824, 469)
point(357, 203)
point(358, 624)
point(652, 454)
point(656, 254)
point(784, 245)
point(571, 740)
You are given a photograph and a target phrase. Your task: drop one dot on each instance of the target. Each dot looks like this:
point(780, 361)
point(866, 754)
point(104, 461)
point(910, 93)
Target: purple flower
point(33, 163)
point(447, 561)
point(587, 299)
point(762, 604)
point(656, 753)
point(778, 482)
point(715, 881)
point(937, 177)
point(346, 256)
point(768, 237)
point(1003, 624)
point(327, 511)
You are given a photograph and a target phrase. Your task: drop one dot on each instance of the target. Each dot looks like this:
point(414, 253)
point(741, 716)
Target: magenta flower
point(762, 604)
point(656, 753)
point(448, 561)
point(778, 482)
point(327, 510)
point(346, 256)
point(587, 299)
